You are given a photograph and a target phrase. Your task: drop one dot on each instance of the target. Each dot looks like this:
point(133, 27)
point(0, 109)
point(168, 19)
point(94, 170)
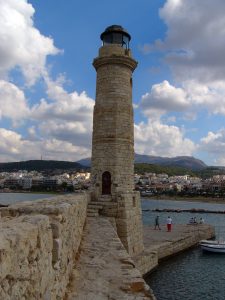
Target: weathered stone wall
point(147, 261)
point(129, 222)
point(38, 245)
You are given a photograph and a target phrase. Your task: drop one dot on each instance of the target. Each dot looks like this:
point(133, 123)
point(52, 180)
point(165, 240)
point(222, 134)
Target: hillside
point(40, 165)
point(170, 170)
point(59, 166)
point(187, 162)
point(207, 172)
point(210, 171)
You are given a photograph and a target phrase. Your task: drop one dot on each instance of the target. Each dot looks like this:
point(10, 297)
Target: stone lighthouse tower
point(113, 137)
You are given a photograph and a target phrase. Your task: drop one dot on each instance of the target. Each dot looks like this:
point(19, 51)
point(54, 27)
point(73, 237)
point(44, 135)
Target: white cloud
point(214, 145)
point(13, 147)
point(214, 142)
point(195, 39)
point(190, 98)
point(21, 44)
point(163, 98)
point(61, 125)
point(13, 104)
point(155, 138)
point(209, 96)
point(73, 132)
point(64, 105)
point(194, 50)
point(68, 116)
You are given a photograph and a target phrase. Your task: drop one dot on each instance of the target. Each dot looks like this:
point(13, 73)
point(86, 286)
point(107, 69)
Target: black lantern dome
point(116, 34)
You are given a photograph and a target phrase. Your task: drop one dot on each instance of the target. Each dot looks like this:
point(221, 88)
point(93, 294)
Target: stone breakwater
point(51, 250)
point(192, 210)
point(38, 244)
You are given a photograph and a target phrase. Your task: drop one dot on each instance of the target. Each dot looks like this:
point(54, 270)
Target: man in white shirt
point(169, 224)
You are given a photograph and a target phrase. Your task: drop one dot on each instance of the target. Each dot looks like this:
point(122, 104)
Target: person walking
point(157, 223)
point(201, 221)
point(169, 224)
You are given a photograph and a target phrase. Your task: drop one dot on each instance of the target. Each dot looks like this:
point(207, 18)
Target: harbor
point(191, 274)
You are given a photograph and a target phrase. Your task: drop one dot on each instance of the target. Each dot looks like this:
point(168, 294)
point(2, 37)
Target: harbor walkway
point(179, 239)
point(104, 270)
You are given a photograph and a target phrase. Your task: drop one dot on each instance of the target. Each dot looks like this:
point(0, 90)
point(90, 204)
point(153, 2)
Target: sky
point(47, 81)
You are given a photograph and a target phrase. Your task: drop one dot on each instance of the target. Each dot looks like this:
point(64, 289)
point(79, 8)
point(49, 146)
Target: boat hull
point(216, 248)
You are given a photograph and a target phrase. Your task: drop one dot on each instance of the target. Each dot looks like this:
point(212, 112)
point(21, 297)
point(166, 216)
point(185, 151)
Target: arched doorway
point(106, 183)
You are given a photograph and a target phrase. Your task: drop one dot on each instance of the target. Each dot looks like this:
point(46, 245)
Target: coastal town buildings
point(24, 180)
point(149, 184)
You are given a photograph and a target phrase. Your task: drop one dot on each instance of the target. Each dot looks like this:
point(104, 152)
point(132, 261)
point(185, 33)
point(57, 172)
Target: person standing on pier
point(157, 223)
point(169, 224)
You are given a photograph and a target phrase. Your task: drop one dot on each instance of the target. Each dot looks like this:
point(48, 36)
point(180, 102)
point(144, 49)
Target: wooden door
point(106, 183)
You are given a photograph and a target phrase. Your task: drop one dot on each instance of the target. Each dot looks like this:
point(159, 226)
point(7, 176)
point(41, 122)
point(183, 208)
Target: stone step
point(109, 214)
point(103, 204)
point(91, 210)
point(106, 207)
point(92, 214)
point(109, 204)
point(113, 210)
point(105, 198)
point(95, 203)
point(96, 206)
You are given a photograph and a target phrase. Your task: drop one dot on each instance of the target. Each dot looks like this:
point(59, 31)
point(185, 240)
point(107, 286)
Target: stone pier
point(51, 250)
point(160, 244)
point(105, 270)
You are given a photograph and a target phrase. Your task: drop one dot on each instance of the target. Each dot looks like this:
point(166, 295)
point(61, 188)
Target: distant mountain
point(187, 162)
point(40, 165)
point(85, 162)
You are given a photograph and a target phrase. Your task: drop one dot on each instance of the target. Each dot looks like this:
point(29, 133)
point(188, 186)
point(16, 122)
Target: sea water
point(193, 274)
point(10, 198)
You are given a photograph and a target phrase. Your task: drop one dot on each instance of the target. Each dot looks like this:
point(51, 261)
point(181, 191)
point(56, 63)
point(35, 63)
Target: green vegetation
point(210, 171)
point(171, 171)
point(40, 165)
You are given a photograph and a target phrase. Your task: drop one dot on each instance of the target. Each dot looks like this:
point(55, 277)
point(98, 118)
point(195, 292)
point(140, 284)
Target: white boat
point(212, 242)
point(213, 246)
point(146, 193)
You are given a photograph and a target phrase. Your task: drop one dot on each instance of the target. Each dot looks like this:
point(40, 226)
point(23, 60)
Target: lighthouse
point(113, 126)
point(113, 137)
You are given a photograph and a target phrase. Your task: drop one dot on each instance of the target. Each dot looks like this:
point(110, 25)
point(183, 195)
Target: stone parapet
point(113, 49)
point(39, 241)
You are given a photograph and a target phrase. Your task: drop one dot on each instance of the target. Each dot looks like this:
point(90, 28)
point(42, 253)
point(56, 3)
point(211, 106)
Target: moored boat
point(146, 193)
point(213, 246)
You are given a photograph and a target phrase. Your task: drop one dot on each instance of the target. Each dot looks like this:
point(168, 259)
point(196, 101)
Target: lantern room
point(116, 34)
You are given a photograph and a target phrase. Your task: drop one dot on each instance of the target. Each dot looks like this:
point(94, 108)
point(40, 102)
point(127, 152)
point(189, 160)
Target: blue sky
point(47, 82)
